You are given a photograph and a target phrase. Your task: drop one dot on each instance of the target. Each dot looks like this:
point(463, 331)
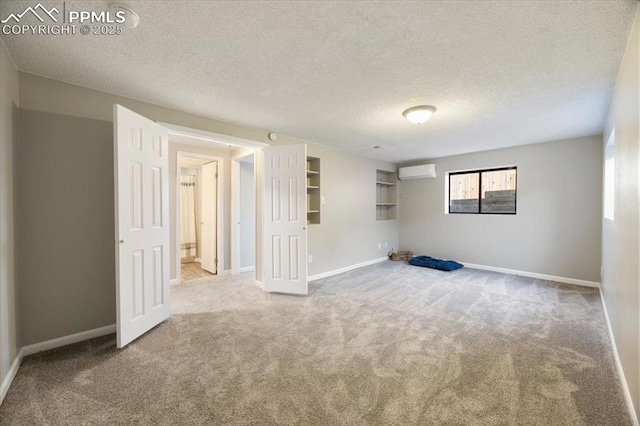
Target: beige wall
point(66, 259)
point(8, 150)
point(621, 237)
point(349, 232)
point(44, 94)
point(556, 230)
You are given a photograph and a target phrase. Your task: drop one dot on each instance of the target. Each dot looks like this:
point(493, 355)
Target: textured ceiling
point(501, 73)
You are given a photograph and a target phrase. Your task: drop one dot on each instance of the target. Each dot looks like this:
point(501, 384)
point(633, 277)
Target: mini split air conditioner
point(417, 172)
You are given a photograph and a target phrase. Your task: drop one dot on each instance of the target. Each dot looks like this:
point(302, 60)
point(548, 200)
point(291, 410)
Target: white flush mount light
point(132, 19)
point(419, 114)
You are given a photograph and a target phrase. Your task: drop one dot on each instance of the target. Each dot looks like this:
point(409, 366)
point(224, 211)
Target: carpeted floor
point(388, 344)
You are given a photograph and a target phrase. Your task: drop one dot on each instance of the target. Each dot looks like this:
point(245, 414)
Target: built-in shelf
point(313, 190)
point(386, 192)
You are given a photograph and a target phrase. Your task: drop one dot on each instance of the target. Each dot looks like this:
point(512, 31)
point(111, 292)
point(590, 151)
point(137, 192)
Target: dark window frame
point(479, 173)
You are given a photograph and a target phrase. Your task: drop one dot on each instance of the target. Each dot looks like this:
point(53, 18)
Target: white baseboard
point(67, 340)
point(346, 269)
point(174, 282)
point(48, 345)
point(247, 269)
point(616, 356)
point(565, 280)
point(259, 284)
point(6, 383)
point(223, 273)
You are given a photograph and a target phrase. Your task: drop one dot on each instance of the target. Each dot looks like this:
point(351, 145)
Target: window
point(491, 191)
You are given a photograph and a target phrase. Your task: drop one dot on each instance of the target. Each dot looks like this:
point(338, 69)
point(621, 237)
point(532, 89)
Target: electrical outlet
point(321, 200)
point(310, 260)
point(379, 246)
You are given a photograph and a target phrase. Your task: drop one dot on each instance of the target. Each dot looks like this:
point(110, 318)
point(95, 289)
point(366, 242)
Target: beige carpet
point(388, 344)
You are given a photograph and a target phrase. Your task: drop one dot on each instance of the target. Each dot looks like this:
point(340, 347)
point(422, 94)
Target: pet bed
point(432, 262)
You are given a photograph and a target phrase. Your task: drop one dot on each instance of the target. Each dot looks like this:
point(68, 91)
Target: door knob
point(121, 241)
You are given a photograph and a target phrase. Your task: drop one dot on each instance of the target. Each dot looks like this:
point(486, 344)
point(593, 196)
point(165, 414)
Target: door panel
point(285, 224)
point(209, 223)
point(142, 230)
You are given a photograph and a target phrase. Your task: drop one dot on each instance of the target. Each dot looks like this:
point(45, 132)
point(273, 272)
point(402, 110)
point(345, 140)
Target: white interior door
point(142, 224)
point(285, 219)
point(209, 223)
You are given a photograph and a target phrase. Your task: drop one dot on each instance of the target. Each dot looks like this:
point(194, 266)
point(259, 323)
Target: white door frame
point(235, 208)
point(220, 204)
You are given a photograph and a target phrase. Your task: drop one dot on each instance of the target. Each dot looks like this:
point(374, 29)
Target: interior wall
point(349, 233)
point(223, 198)
point(44, 94)
point(556, 230)
point(9, 323)
point(66, 259)
point(621, 236)
point(247, 215)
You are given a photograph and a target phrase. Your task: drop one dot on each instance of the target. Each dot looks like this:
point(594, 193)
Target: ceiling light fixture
point(419, 114)
point(132, 19)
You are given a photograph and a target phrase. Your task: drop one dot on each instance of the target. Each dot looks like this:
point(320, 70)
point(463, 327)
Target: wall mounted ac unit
point(417, 172)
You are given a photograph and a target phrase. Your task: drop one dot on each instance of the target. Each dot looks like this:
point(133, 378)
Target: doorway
point(243, 176)
point(147, 235)
point(198, 204)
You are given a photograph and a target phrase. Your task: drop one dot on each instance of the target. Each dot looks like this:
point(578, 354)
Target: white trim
point(247, 269)
point(210, 136)
point(223, 273)
point(259, 285)
point(68, 340)
point(174, 282)
point(11, 374)
point(346, 269)
point(48, 345)
point(555, 278)
point(616, 356)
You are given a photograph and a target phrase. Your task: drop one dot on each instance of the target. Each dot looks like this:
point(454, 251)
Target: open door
point(142, 224)
point(209, 223)
point(285, 219)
